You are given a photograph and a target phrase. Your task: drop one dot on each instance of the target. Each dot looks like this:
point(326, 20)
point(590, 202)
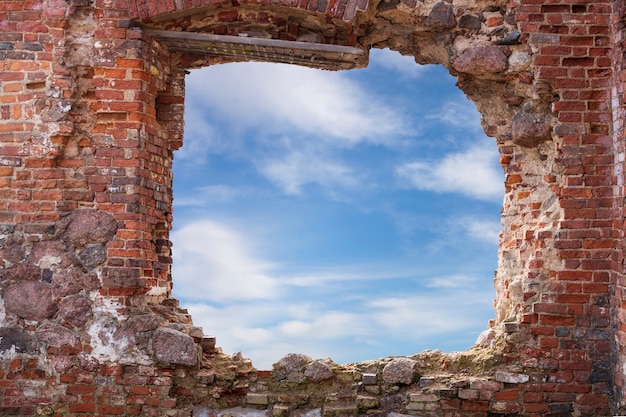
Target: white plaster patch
point(7, 354)
point(109, 346)
point(105, 347)
point(49, 262)
point(157, 291)
point(3, 313)
point(519, 61)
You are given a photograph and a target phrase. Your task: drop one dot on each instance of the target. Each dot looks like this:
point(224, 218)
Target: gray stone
point(486, 337)
point(365, 402)
point(426, 381)
point(291, 367)
point(83, 227)
point(469, 21)
point(511, 327)
point(143, 323)
point(11, 250)
point(51, 254)
point(400, 371)
point(31, 300)
point(511, 39)
point(255, 398)
point(519, 61)
point(370, 379)
point(280, 410)
point(441, 16)
point(511, 377)
point(67, 281)
point(481, 60)
point(52, 334)
point(88, 363)
point(91, 282)
point(172, 346)
point(529, 130)
point(75, 310)
point(15, 340)
point(21, 272)
point(319, 370)
point(92, 256)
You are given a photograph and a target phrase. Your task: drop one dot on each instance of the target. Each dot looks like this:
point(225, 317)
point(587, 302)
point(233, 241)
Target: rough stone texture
point(291, 367)
point(143, 323)
point(529, 130)
point(14, 341)
point(512, 378)
point(400, 371)
point(51, 255)
point(469, 22)
point(91, 110)
point(86, 227)
point(319, 370)
point(12, 250)
point(51, 334)
point(75, 310)
point(31, 300)
point(21, 272)
point(72, 280)
point(481, 60)
point(174, 347)
point(441, 16)
point(92, 256)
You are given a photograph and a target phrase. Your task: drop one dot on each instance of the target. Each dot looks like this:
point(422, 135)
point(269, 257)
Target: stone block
point(280, 410)
point(468, 394)
point(255, 398)
point(31, 300)
point(481, 60)
point(172, 346)
point(318, 370)
point(369, 379)
point(511, 377)
point(419, 397)
point(400, 371)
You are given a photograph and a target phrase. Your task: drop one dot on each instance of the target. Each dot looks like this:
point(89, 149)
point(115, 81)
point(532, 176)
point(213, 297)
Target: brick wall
point(91, 110)
point(618, 90)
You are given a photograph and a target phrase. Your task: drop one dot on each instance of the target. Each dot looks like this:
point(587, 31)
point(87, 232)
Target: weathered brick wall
point(91, 110)
point(618, 106)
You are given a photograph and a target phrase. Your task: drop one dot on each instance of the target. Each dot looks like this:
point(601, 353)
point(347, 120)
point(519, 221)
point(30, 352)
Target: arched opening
point(350, 215)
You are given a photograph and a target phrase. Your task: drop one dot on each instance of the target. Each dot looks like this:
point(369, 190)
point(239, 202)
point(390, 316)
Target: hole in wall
point(350, 215)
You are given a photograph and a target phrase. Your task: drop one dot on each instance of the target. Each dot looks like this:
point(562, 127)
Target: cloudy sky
point(350, 215)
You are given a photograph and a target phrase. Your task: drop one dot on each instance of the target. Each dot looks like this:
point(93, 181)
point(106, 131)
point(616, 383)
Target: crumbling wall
point(91, 103)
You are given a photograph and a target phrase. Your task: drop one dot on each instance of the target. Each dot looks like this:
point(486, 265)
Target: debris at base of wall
point(248, 412)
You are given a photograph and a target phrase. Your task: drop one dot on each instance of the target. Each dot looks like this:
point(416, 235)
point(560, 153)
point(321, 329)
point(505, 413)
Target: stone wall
point(91, 110)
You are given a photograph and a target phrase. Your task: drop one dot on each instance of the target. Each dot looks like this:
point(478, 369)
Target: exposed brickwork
point(91, 110)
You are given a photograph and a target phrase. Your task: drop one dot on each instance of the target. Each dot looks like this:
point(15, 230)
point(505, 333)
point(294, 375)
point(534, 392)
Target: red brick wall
point(91, 111)
point(618, 102)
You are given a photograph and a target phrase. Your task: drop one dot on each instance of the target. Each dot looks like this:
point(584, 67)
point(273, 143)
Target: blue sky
point(350, 215)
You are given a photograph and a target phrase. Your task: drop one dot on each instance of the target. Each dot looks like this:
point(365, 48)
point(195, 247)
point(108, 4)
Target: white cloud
point(427, 314)
point(282, 98)
point(213, 262)
point(394, 61)
point(200, 137)
point(459, 114)
point(473, 173)
point(479, 229)
point(216, 193)
point(296, 169)
point(452, 281)
point(344, 331)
